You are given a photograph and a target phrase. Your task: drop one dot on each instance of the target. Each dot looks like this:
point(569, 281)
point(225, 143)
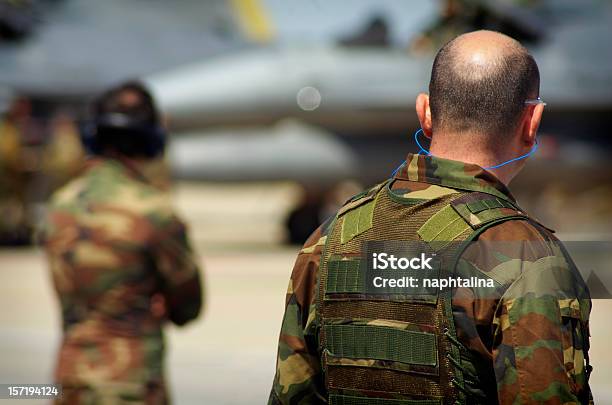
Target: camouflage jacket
point(121, 265)
point(527, 351)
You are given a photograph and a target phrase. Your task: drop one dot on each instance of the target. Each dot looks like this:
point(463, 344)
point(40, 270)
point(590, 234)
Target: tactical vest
point(394, 350)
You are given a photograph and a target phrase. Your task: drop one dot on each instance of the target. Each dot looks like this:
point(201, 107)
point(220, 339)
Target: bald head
point(479, 83)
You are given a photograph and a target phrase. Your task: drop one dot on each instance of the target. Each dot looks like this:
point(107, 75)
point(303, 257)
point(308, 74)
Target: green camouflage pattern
point(528, 344)
point(122, 265)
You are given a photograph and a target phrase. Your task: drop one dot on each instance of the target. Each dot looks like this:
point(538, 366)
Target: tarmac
point(228, 355)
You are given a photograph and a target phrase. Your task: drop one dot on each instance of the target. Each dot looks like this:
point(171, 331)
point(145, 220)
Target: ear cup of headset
point(88, 132)
point(157, 141)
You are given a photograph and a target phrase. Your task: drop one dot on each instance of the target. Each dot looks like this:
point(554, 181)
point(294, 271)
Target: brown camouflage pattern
point(528, 345)
point(122, 265)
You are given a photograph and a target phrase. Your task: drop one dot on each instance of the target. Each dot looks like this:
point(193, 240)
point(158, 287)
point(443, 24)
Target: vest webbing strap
point(357, 221)
point(381, 343)
point(345, 276)
point(480, 209)
point(482, 205)
point(443, 227)
point(470, 211)
point(335, 399)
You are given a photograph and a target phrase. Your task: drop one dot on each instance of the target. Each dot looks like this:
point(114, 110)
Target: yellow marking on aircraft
point(254, 20)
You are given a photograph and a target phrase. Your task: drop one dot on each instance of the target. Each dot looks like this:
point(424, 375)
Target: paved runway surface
point(228, 356)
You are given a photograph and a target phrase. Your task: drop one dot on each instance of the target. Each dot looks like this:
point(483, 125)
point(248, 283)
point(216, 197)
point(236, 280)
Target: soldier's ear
point(532, 123)
point(424, 113)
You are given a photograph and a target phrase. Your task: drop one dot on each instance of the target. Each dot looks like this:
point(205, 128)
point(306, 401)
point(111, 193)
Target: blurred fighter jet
point(270, 89)
point(364, 85)
point(76, 47)
point(224, 64)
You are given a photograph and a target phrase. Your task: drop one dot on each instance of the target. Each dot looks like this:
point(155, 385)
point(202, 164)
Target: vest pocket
point(383, 344)
point(349, 277)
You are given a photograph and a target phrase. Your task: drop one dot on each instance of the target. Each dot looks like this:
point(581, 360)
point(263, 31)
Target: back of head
point(479, 83)
point(127, 122)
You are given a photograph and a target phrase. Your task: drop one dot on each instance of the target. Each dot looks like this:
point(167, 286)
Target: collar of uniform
point(125, 166)
point(453, 174)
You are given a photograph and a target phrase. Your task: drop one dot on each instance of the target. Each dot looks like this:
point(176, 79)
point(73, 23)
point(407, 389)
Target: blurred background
point(279, 111)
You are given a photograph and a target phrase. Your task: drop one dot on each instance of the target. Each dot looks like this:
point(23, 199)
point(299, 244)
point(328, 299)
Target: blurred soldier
point(120, 260)
point(19, 162)
point(525, 343)
point(512, 17)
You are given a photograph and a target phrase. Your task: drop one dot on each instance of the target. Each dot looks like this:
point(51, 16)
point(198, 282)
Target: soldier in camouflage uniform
point(120, 259)
point(525, 341)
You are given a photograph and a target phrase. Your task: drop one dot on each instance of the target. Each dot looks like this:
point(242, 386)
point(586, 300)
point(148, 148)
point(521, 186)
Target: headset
point(115, 127)
point(428, 153)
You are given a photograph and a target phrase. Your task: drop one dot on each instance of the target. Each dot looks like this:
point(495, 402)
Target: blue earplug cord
point(428, 153)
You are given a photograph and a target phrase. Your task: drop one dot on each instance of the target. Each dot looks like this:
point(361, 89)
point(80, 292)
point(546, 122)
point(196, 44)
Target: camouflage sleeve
point(298, 378)
point(178, 270)
point(540, 333)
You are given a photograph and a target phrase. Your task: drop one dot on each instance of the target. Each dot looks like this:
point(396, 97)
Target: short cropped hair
point(487, 99)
